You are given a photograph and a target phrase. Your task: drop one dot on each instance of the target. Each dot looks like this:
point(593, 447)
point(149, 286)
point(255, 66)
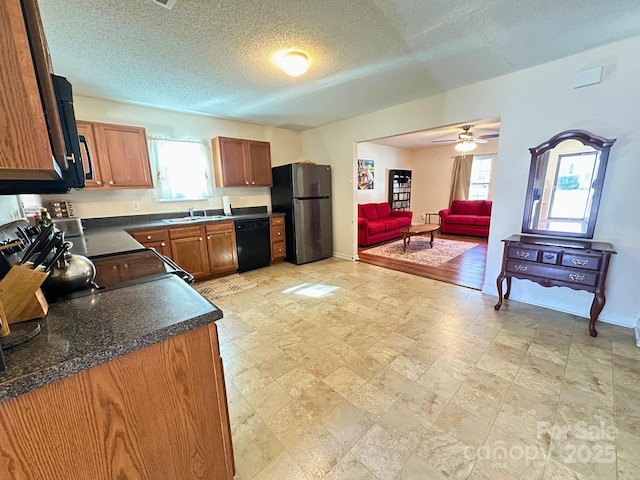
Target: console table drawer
point(555, 273)
point(580, 261)
point(520, 253)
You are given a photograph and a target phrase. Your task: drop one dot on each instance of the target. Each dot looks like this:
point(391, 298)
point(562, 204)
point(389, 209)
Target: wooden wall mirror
point(565, 184)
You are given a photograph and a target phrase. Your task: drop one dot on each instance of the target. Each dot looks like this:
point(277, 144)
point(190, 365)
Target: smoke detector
point(168, 4)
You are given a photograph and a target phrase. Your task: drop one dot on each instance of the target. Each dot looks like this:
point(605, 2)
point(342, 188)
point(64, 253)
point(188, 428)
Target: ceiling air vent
point(164, 3)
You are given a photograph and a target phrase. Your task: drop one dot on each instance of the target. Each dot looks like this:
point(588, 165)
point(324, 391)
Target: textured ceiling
point(425, 138)
point(215, 56)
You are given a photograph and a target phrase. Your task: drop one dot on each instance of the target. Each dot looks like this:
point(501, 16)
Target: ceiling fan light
point(465, 147)
point(294, 63)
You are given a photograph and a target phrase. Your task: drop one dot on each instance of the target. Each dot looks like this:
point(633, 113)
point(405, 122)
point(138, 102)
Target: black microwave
point(74, 176)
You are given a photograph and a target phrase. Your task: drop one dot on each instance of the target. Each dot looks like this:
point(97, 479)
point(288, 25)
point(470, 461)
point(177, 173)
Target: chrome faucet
point(204, 212)
point(191, 214)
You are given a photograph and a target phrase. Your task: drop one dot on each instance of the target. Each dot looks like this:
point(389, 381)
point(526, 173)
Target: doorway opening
point(416, 173)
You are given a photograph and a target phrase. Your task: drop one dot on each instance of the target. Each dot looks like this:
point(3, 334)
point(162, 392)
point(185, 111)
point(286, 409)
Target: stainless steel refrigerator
point(302, 192)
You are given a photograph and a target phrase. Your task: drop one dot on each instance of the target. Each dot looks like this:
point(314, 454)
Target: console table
point(557, 262)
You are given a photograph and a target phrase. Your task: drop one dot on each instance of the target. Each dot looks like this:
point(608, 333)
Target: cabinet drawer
point(549, 257)
point(184, 232)
point(277, 221)
point(146, 236)
point(278, 250)
point(552, 272)
point(529, 254)
point(277, 233)
point(219, 227)
point(581, 261)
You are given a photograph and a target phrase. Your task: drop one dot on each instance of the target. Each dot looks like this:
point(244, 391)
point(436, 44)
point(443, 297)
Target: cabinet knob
point(247, 183)
point(148, 237)
point(163, 244)
point(226, 233)
point(208, 237)
point(200, 238)
point(279, 233)
point(253, 183)
point(111, 182)
point(98, 182)
point(279, 249)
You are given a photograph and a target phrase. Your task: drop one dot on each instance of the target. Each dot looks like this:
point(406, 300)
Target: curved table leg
point(404, 242)
point(499, 280)
point(506, 295)
point(596, 307)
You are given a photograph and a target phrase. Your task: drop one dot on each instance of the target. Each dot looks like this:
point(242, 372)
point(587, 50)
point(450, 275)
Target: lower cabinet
point(205, 250)
point(278, 245)
point(155, 413)
point(189, 250)
point(221, 247)
point(156, 238)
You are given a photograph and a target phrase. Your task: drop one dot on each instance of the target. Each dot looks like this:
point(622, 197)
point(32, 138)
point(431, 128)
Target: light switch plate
point(135, 206)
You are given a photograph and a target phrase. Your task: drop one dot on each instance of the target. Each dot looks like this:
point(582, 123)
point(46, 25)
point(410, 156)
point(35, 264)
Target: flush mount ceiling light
point(294, 63)
point(465, 146)
point(168, 4)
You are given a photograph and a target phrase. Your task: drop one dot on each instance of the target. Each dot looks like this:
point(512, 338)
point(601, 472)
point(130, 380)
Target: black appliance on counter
point(74, 176)
point(253, 240)
point(302, 191)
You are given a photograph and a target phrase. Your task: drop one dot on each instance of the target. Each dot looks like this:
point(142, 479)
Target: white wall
point(432, 170)
point(533, 104)
point(385, 158)
point(285, 148)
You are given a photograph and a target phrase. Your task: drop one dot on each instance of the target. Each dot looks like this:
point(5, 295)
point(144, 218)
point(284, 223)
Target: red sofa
point(467, 217)
point(377, 223)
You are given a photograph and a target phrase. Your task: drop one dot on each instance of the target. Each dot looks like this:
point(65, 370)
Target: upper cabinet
point(118, 155)
point(241, 163)
point(32, 146)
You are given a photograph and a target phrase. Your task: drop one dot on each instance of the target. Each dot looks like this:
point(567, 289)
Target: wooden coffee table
point(420, 229)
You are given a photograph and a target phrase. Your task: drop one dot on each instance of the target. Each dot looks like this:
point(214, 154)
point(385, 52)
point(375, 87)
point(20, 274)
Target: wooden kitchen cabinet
point(32, 146)
point(241, 163)
point(221, 247)
point(158, 412)
point(278, 245)
point(119, 154)
point(205, 250)
point(189, 250)
point(156, 238)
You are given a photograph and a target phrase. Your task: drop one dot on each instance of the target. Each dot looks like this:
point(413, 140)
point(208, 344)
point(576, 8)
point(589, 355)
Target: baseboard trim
point(344, 256)
point(611, 318)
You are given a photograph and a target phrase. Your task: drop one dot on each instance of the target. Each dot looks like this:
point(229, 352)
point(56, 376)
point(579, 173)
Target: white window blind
point(182, 169)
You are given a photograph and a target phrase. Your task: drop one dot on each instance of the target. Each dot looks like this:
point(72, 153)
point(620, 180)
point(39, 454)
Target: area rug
point(221, 287)
point(419, 251)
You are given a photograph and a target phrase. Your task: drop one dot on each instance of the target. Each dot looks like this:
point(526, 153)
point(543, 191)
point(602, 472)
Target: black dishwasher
point(253, 238)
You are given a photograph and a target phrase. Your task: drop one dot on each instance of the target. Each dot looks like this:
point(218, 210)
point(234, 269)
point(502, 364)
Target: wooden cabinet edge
point(93, 423)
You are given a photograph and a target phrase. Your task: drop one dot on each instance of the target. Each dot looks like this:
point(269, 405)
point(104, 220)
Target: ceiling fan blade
point(445, 141)
point(480, 140)
point(492, 135)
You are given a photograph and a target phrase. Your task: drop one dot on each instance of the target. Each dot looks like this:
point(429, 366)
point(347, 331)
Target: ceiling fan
point(467, 140)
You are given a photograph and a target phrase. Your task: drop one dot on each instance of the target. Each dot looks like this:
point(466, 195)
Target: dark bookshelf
point(400, 189)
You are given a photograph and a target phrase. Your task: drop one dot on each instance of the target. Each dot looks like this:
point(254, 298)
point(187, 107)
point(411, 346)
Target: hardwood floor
point(466, 270)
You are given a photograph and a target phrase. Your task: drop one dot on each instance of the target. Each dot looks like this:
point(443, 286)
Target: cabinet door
point(223, 256)
point(124, 155)
point(190, 253)
point(258, 163)
point(229, 162)
point(86, 129)
point(25, 149)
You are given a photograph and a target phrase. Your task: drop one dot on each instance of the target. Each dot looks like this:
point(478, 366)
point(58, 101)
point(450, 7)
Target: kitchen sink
point(193, 219)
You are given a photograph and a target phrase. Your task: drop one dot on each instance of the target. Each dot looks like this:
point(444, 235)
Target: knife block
point(21, 296)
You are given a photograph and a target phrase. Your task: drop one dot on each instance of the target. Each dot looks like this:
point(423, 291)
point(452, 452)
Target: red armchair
point(377, 223)
point(467, 217)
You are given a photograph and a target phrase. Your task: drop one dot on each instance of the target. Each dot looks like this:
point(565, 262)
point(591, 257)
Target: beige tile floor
point(392, 376)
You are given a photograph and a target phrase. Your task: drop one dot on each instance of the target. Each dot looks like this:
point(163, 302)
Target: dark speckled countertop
point(84, 332)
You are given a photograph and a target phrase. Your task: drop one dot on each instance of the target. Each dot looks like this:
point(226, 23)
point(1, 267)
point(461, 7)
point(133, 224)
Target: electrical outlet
point(135, 206)
point(212, 201)
point(243, 200)
point(423, 216)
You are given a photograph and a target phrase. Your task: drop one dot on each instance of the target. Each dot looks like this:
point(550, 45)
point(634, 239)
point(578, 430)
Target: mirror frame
point(601, 144)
